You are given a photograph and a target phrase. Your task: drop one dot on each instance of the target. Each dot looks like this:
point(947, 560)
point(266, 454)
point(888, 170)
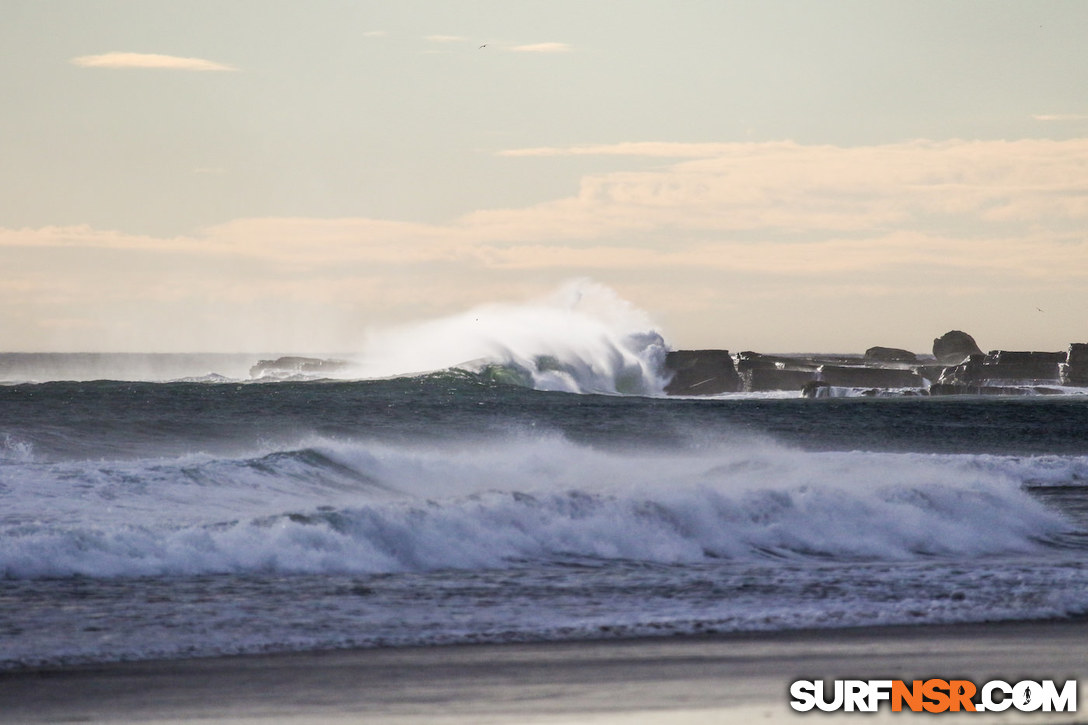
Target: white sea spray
point(381, 507)
point(582, 338)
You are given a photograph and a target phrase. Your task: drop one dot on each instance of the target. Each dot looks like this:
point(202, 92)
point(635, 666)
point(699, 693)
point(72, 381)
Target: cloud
point(149, 61)
point(502, 46)
point(542, 48)
point(802, 230)
point(639, 148)
point(787, 189)
point(777, 196)
point(1015, 207)
point(375, 34)
point(84, 236)
point(1061, 117)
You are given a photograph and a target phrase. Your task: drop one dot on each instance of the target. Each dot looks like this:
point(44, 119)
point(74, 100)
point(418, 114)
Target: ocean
point(163, 514)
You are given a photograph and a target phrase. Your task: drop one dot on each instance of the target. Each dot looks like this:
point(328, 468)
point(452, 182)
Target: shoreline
point(734, 677)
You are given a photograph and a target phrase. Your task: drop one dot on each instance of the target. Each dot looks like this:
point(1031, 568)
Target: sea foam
point(367, 507)
point(582, 338)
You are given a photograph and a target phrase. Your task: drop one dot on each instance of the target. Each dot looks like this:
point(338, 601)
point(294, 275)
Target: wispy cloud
point(777, 196)
point(375, 34)
point(153, 61)
point(789, 232)
point(542, 48)
point(637, 148)
point(1061, 117)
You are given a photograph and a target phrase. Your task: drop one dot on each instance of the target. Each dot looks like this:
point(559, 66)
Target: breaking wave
point(329, 507)
point(581, 339)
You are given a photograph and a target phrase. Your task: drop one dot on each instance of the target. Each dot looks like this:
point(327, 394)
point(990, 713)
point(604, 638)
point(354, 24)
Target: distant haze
point(237, 175)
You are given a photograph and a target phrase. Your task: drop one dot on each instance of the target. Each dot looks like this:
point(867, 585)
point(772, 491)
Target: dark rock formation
point(969, 372)
point(890, 355)
point(295, 366)
point(953, 347)
point(761, 373)
point(816, 389)
point(882, 371)
point(869, 377)
point(759, 380)
point(1017, 366)
point(749, 360)
point(1020, 357)
point(931, 373)
point(1074, 370)
point(701, 372)
point(1002, 371)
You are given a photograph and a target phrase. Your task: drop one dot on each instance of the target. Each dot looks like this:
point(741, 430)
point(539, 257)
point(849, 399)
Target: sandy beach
point(736, 678)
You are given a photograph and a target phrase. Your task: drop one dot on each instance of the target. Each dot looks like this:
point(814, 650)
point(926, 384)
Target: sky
point(263, 175)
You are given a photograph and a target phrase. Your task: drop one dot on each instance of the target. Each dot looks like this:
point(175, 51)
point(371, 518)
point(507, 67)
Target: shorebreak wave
point(376, 507)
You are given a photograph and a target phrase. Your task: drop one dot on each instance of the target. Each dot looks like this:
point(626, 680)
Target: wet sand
point(740, 678)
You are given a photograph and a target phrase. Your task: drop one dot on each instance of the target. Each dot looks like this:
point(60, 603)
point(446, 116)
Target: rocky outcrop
point(816, 389)
point(1005, 372)
point(968, 372)
point(954, 346)
point(890, 355)
point(882, 371)
point(930, 371)
point(759, 380)
point(842, 376)
point(1016, 366)
point(289, 365)
point(701, 372)
point(939, 389)
point(763, 373)
point(1074, 370)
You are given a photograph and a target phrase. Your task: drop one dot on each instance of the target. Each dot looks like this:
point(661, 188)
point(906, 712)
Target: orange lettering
point(961, 692)
point(935, 690)
point(912, 695)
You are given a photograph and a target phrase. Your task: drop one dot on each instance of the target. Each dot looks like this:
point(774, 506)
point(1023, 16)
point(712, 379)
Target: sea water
point(212, 515)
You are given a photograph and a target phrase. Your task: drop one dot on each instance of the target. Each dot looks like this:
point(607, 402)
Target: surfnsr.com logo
point(933, 695)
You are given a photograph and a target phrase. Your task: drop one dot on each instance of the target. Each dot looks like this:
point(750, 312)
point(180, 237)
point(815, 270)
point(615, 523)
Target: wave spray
point(581, 338)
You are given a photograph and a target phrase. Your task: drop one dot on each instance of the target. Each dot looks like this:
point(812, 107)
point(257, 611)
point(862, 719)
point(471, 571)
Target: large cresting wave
point(368, 507)
point(583, 338)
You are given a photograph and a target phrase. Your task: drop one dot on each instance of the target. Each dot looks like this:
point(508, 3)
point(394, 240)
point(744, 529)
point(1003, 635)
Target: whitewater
point(523, 484)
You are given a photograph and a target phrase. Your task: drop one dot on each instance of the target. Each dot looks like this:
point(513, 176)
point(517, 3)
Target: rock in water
point(1075, 369)
point(890, 355)
point(291, 365)
point(869, 377)
point(816, 389)
point(701, 372)
point(760, 372)
point(954, 346)
point(1016, 365)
